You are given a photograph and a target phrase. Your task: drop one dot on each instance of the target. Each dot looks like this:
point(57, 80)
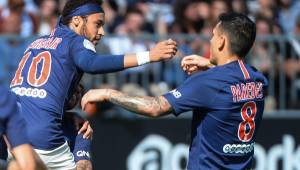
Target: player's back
point(43, 83)
point(224, 132)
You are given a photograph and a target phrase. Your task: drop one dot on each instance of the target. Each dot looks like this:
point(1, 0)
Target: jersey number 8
point(43, 58)
point(248, 119)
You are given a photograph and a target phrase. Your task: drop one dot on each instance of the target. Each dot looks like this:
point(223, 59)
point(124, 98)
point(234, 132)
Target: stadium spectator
point(240, 6)
point(218, 7)
point(112, 15)
point(187, 18)
point(26, 23)
point(289, 11)
point(48, 14)
point(268, 9)
point(260, 56)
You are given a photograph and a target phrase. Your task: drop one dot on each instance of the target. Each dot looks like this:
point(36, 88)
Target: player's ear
point(76, 20)
point(221, 42)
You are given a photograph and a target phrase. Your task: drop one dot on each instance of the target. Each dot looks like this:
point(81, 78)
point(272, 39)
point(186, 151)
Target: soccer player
point(227, 100)
point(53, 65)
point(14, 127)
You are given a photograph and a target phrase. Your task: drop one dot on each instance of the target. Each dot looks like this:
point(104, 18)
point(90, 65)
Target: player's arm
point(15, 131)
point(144, 105)
point(198, 91)
point(84, 165)
point(162, 50)
point(194, 63)
point(86, 59)
point(26, 158)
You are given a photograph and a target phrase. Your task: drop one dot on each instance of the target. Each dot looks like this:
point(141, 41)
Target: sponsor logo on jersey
point(30, 92)
point(238, 148)
point(82, 153)
point(176, 93)
point(89, 45)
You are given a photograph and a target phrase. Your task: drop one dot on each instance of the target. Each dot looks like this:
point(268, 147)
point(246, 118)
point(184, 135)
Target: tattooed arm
point(144, 105)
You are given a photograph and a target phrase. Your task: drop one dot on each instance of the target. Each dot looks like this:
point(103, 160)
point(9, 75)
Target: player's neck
point(228, 59)
point(74, 28)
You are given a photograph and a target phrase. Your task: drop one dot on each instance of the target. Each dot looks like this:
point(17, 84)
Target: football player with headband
point(52, 67)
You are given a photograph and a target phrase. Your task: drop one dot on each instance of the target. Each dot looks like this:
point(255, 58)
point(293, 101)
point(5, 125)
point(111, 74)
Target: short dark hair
point(240, 30)
point(72, 5)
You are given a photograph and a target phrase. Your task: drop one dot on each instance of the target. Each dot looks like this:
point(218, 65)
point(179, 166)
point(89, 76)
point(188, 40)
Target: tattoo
point(145, 105)
point(84, 165)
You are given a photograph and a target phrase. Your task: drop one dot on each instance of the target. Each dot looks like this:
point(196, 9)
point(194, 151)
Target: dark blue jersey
point(11, 122)
point(48, 73)
point(227, 103)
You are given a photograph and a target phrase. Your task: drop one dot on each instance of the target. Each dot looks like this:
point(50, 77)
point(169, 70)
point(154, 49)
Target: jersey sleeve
point(194, 93)
point(85, 58)
point(15, 126)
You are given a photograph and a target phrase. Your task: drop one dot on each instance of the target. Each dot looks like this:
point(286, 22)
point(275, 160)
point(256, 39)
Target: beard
point(213, 60)
point(92, 39)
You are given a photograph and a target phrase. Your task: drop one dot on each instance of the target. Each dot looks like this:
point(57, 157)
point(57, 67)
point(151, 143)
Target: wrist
point(107, 95)
point(143, 57)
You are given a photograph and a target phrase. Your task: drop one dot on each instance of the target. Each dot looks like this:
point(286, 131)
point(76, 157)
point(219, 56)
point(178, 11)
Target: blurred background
point(126, 141)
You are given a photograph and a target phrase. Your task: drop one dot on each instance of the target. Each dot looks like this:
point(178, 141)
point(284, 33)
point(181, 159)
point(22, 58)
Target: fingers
point(189, 62)
point(163, 50)
point(170, 42)
point(89, 133)
point(189, 59)
point(84, 127)
point(86, 130)
point(84, 101)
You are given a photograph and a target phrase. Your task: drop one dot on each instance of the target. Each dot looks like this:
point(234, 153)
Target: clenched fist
point(194, 63)
point(163, 50)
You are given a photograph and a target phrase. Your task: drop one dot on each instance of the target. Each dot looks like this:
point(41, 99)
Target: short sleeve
point(194, 93)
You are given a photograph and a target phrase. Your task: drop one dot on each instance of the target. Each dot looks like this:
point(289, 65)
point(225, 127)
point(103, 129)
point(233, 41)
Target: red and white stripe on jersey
point(244, 70)
point(52, 32)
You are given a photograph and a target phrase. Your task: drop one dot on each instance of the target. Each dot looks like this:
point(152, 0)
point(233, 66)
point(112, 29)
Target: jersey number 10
point(43, 58)
point(243, 135)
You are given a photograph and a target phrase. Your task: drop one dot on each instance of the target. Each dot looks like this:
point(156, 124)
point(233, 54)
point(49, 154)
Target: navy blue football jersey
point(11, 122)
point(49, 71)
point(227, 103)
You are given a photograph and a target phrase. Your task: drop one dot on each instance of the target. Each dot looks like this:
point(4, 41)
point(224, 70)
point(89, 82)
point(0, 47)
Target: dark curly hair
point(72, 5)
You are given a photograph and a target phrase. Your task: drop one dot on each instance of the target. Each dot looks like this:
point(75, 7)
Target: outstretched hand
point(163, 50)
point(194, 63)
point(94, 95)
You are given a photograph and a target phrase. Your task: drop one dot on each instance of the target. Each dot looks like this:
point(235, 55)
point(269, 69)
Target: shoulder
point(257, 75)
point(206, 79)
point(80, 42)
point(213, 74)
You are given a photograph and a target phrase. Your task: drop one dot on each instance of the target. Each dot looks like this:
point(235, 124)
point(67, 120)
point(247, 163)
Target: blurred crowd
point(130, 21)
